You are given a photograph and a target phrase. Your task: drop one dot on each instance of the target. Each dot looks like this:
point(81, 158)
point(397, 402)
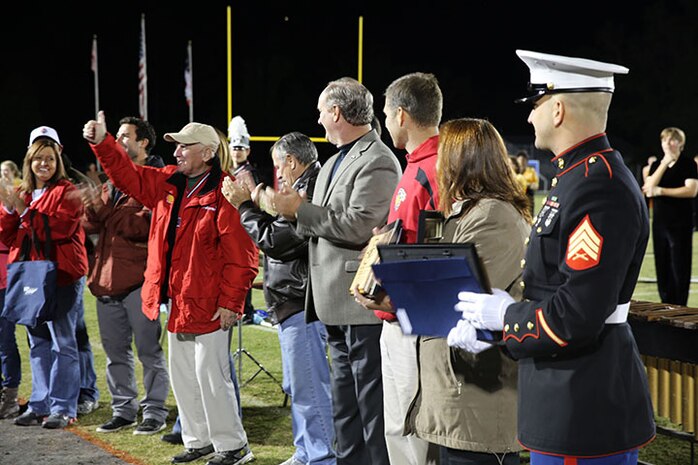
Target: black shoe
point(172, 438)
point(29, 418)
point(57, 421)
point(232, 457)
point(189, 455)
point(150, 426)
point(115, 424)
point(87, 406)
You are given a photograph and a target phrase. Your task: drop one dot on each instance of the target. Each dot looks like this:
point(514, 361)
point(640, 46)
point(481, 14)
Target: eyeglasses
point(238, 148)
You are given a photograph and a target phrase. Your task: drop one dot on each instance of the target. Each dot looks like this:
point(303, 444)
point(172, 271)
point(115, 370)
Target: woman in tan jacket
point(466, 402)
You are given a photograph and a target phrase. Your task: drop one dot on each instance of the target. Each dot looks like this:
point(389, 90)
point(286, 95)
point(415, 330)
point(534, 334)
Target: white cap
point(44, 131)
point(237, 133)
point(555, 74)
point(195, 133)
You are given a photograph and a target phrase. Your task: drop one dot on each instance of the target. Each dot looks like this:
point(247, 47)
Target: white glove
point(464, 337)
point(484, 311)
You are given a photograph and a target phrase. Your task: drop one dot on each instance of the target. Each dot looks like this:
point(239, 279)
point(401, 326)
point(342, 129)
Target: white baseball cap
point(44, 131)
point(552, 74)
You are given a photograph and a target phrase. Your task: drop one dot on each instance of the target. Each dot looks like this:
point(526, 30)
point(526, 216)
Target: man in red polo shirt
point(413, 105)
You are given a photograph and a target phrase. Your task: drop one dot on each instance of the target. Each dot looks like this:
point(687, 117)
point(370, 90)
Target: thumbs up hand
point(94, 132)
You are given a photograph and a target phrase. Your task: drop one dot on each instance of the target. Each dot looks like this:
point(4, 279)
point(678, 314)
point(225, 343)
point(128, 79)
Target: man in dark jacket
point(303, 346)
point(115, 279)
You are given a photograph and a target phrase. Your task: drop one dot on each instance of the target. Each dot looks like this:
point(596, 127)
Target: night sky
point(283, 56)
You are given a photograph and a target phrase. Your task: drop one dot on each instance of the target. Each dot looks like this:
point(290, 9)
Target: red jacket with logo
point(416, 191)
point(121, 251)
point(209, 261)
point(62, 204)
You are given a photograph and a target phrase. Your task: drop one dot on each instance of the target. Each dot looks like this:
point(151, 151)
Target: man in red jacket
point(202, 260)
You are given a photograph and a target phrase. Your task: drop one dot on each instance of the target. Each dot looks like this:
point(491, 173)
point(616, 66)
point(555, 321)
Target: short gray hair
point(419, 95)
point(297, 144)
point(353, 99)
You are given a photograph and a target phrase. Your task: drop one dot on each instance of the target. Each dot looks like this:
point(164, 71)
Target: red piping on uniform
point(541, 322)
point(539, 312)
point(534, 336)
point(571, 167)
point(587, 456)
point(610, 171)
point(548, 330)
point(578, 144)
point(585, 160)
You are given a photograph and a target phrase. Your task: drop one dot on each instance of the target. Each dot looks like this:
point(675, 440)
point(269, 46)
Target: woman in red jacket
point(53, 348)
point(10, 361)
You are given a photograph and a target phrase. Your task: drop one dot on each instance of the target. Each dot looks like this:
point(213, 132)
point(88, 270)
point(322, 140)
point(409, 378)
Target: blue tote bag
point(30, 298)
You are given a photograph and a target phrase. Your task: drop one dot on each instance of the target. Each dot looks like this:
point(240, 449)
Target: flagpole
point(143, 74)
point(95, 70)
point(360, 74)
point(191, 82)
point(230, 70)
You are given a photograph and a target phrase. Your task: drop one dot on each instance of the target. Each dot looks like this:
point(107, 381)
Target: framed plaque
point(364, 278)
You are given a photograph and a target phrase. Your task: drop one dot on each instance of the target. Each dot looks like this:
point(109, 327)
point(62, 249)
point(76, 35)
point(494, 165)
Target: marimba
point(667, 337)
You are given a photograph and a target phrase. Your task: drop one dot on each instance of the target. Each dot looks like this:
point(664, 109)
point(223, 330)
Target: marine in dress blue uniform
point(583, 394)
point(583, 389)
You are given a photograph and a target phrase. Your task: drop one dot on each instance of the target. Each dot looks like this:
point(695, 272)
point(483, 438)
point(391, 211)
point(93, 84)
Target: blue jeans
point(53, 356)
point(88, 377)
point(9, 353)
point(626, 458)
point(307, 381)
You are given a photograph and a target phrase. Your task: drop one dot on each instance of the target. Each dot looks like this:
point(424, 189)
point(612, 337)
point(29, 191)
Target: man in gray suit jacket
point(352, 196)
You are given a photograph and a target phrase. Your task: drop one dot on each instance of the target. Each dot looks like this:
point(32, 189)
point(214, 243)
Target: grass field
point(266, 419)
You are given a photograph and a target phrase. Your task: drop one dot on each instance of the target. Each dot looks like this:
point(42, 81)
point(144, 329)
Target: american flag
point(189, 83)
point(93, 62)
point(142, 75)
point(188, 91)
point(93, 66)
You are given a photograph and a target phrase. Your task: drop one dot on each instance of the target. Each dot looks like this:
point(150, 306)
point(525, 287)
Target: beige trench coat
point(467, 401)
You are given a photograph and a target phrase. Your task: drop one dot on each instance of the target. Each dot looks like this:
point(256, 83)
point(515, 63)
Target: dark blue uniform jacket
point(582, 386)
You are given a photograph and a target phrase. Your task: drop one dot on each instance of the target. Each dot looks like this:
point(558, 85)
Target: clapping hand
point(245, 179)
point(10, 198)
point(90, 196)
point(287, 201)
point(235, 193)
point(263, 197)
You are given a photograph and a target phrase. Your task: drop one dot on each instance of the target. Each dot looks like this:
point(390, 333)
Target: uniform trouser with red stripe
point(626, 458)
